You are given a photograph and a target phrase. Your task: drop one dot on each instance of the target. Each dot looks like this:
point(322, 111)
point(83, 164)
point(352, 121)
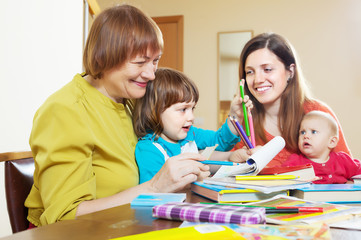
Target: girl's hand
point(178, 172)
point(243, 154)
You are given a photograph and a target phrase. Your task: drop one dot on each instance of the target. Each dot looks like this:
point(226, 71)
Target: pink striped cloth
point(196, 212)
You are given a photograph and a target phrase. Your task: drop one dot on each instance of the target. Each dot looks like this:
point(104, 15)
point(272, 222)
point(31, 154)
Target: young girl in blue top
point(163, 121)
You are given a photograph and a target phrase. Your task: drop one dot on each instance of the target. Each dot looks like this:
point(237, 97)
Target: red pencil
point(302, 209)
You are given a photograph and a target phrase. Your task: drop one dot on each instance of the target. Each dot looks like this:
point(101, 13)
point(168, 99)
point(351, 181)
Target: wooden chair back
point(19, 171)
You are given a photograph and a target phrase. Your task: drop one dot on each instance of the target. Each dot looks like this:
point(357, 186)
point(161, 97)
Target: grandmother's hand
point(178, 172)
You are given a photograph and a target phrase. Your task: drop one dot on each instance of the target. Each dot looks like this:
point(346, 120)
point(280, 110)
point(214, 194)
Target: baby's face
point(314, 137)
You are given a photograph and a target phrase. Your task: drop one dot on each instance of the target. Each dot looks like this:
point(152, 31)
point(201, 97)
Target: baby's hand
point(242, 154)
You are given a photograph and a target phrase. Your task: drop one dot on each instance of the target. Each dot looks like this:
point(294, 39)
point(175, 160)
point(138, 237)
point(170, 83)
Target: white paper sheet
point(256, 162)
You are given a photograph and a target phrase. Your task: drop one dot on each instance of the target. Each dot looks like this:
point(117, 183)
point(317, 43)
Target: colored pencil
point(225, 163)
point(243, 133)
point(245, 115)
point(238, 131)
point(251, 127)
point(277, 209)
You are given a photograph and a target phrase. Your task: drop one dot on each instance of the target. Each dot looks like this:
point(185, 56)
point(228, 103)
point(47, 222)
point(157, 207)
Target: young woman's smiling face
point(266, 76)
point(177, 119)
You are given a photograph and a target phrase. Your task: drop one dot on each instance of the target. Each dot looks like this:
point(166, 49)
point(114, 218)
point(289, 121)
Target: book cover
point(304, 172)
point(196, 212)
point(333, 193)
point(289, 232)
point(277, 232)
point(150, 200)
point(224, 194)
point(331, 212)
point(266, 186)
point(200, 232)
point(283, 169)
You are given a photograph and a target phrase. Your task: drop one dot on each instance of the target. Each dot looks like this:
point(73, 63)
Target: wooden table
point(121, 221)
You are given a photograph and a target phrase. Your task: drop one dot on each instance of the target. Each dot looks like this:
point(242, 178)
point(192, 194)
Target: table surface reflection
point(122, 221)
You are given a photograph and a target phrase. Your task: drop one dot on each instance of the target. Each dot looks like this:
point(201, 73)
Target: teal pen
point(219, 163)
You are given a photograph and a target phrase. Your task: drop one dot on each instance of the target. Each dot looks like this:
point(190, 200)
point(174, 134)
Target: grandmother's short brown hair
point(117, 35)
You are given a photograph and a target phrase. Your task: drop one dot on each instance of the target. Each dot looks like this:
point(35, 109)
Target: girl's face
point(130, 80)
point(177, 119)
point(266, 76)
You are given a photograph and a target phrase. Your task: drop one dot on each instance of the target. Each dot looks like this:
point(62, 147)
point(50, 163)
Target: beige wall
point(40, 51)
point(325, 33)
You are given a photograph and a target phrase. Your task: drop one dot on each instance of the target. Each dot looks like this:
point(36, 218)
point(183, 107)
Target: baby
point(318, 135)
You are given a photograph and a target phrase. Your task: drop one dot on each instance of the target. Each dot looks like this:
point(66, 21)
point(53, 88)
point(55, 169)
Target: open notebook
point(256, 162)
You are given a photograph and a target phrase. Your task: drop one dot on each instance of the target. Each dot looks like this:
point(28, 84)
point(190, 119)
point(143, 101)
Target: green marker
point(245, 115)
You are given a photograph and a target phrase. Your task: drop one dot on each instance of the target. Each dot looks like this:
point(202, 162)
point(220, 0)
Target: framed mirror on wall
point(230, 45)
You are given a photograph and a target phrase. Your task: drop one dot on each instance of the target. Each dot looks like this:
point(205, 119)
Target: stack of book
point(223, 194)
point(332, 193)
point(265, 186)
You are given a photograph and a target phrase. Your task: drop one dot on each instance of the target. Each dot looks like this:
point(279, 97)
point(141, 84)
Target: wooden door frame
point(179, 20)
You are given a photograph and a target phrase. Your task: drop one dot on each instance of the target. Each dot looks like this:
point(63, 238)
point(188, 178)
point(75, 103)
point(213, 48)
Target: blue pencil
point(219, 163)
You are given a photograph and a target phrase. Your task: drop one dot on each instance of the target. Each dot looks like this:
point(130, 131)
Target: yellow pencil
point(266, 177)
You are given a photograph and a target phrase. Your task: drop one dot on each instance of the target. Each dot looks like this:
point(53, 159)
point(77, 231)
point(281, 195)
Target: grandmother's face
point(130, 80)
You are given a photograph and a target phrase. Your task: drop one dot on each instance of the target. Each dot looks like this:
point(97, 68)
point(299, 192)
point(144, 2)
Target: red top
point(309, 106)
point(338, 169)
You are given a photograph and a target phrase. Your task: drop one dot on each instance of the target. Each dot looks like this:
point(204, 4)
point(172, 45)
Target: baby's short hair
point(325, 116)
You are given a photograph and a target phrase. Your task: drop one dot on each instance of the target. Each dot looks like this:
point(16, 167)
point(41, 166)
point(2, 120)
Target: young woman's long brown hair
point(296, 93)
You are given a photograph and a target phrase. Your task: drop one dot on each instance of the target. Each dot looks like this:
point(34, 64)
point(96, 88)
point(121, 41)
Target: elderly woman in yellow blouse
point(82, 138)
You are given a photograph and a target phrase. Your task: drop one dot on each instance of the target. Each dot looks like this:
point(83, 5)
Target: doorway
point(172, 30)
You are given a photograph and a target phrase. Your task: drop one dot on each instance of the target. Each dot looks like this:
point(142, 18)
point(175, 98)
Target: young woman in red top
point(279, 94)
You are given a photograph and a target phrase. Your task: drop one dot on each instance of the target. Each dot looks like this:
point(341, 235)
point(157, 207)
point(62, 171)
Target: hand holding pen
point(242, 154)
point(237, 109)
point(244, 107)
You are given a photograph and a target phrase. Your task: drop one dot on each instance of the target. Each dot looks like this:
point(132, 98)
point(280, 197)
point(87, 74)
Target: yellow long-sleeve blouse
point(83, 145)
